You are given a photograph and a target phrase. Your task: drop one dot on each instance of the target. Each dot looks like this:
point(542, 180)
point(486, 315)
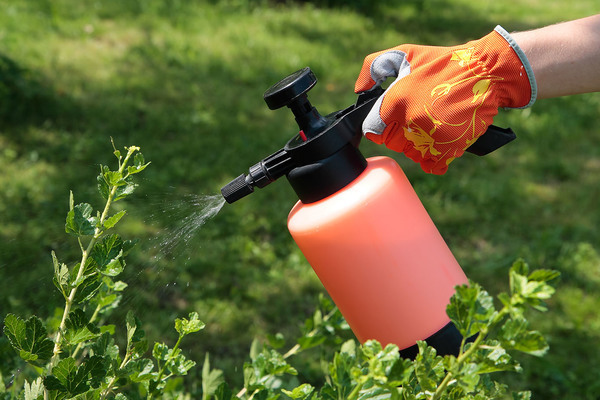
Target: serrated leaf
point(492, 357)
point(211, 378)
point(103, 187)
point(124, 190)
point(114, 268)
point(87, 287)
point(185, 326)
point(180, 365)
point(139, 164)
point(74, 380)
point(160, 351)
point(134, 330)
point(78, 328)
point(29, 338)
point(35, 390)
point(113, 220)
point(107, 250)
point(471, 308)
point(113, 178)
point(515, 334)
point(80, 221)
point(302, 392)
point(61, 275)
point(104, 345)
point(429, 368)
point(140, 370)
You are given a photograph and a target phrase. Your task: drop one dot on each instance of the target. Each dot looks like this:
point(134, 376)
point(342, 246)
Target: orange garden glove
point(444, 98)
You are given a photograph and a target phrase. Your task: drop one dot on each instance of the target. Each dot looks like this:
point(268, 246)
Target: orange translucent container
point(379, 256)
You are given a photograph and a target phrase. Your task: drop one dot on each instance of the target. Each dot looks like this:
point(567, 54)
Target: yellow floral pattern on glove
point(425, 141)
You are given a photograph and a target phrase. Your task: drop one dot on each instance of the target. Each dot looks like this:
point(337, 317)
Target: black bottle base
point(446, 341)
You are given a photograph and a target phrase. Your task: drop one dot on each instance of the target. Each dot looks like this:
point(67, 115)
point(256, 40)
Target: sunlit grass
point(184, 81)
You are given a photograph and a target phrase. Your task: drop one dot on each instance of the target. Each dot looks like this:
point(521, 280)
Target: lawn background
point(184, 81)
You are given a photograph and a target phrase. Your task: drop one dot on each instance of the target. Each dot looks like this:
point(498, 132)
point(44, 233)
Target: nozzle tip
point(236, 189)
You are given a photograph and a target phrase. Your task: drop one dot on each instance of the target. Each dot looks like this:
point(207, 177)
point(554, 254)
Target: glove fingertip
point(374, 137)
point(363, 84)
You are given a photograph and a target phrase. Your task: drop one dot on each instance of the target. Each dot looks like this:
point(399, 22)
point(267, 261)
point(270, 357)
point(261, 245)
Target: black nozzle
point(236, 189)
point(259, 175)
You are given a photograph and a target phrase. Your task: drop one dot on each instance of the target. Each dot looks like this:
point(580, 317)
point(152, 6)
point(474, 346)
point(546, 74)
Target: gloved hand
point(444, 98)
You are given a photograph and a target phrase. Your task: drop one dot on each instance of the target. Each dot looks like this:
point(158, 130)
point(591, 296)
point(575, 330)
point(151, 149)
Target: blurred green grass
point(184, 81)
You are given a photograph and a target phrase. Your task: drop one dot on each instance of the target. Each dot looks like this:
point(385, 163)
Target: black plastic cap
point(288, 89)
point(236, 189)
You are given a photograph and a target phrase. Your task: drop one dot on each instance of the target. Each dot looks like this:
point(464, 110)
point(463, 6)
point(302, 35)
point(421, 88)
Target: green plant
point(80, 358)
point(371, 371)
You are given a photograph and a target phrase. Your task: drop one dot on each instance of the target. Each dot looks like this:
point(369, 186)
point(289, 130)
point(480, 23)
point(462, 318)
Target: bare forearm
point(565, 58)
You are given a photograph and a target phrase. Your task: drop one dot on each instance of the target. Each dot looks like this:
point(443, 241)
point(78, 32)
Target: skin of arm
point(565, 57)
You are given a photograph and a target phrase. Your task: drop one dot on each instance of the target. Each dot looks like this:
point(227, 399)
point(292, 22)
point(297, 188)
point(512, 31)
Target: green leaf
point(134, 332)
point(211, 378)
point(340, 370)
point(114, 178)
point(78, 328)
point(105, 346)
point(113, 220)
point(492, 357)
point(471, 308)
point(79, 220)
point(61, 275)
point(531, 289)
point(107, 250)
point(29, 338)
point(307, 342)
point(302, 392)
point(87, 287)
point(124, 190)
point(276, 341)
point(515, 334)
point(35, 390)
point(160, 351)
point(73, 380)
point(429, 368)
point(103, 187)
point(522, 395)
point(179, 364)
point(223, 392)
point(139, 164)
point(186, 326)
point(140, 370)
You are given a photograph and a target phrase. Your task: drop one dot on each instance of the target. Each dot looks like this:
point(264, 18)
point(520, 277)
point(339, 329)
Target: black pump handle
point(494, 138)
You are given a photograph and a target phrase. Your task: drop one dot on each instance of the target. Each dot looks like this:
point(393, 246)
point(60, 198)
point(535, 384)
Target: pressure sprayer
point(360, 224)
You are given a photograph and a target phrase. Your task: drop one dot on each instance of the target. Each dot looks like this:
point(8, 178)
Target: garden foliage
point(79, 357)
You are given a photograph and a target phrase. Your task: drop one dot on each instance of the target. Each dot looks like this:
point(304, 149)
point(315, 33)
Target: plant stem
point(114, 379)
point(294, 350)
point(162, 370)
point(84, 258)
point(464, 356)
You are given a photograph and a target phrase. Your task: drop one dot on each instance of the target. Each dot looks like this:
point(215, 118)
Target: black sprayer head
point(322, 158)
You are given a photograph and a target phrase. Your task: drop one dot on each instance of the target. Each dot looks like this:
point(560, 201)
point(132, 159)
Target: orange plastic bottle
point(360, 224)
point(380, 257)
